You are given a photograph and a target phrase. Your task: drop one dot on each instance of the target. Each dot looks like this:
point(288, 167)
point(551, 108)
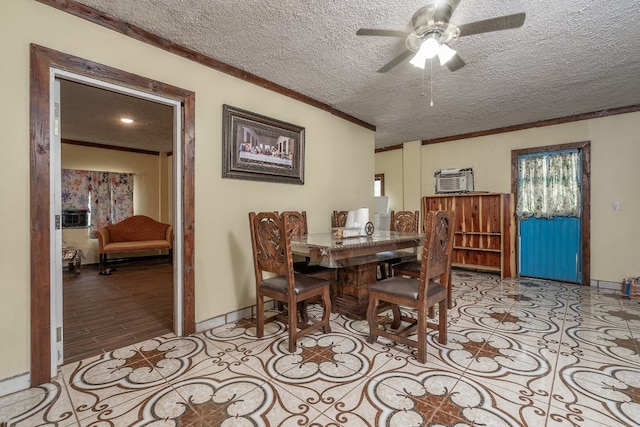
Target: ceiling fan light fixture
point(428, 49)
point(445, 53)
point(418, 60)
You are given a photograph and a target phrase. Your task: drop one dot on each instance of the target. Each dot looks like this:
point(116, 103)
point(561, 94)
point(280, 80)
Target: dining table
point(356, 261)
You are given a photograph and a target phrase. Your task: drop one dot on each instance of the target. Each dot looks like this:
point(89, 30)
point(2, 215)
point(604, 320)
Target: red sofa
point(136, 233)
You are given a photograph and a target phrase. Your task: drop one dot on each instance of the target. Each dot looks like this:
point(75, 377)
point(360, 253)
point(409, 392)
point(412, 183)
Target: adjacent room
point(113, 168)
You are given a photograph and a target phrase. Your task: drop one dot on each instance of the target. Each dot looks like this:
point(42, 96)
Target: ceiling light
point(445, 53)
point(126, 120)
point(428, 49)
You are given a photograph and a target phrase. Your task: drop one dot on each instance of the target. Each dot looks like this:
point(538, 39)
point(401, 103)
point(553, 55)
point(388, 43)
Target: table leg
point(352, 297)
point(77, 263)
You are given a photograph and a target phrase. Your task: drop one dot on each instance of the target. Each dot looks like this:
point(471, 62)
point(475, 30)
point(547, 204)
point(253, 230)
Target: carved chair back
point(297, 222)
point(437, 250)
point(271, 248)
point(339, 218)
point(405, 221)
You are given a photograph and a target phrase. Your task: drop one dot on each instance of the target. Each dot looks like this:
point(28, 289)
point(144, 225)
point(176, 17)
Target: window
point(107, 196)
point(378, 185)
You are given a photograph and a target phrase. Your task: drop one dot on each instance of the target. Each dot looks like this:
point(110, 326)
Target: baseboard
point(14, 384)
point(231, 317)
point(603, 284)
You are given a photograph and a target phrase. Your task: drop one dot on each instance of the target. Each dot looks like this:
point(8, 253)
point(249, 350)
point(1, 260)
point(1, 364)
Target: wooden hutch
point(485, 230)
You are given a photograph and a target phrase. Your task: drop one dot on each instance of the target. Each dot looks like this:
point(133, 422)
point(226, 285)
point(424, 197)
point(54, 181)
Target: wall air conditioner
point(453, 180)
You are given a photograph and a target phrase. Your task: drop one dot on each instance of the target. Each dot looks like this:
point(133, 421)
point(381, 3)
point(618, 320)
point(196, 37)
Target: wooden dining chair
point(339, 219)
point(271, 244)
point(404, 222)
point(418, 294)
point(411, 268)
point(298, 223)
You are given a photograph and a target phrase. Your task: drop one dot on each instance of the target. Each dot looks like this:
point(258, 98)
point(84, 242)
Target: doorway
point(115, 98)
point(44, 62)
point(134, 302)
point(553, 229)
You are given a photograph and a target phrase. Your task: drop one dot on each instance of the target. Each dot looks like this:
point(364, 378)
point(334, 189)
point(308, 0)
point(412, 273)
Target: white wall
point(339, 164)
point(614, 177)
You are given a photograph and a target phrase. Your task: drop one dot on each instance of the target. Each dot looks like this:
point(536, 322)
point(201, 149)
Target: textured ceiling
point(570, 57)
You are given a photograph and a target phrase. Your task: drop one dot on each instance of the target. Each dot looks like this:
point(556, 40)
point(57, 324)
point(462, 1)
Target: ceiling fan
point(433, 33)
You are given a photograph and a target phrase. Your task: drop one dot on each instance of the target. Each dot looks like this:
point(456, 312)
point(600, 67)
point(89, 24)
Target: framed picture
point(260, 148)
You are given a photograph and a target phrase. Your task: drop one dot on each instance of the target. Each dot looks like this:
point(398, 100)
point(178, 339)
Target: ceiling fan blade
point(444, 10)
point(383, 33)
point(494, 24)
point(395, 61)
point(455, 63)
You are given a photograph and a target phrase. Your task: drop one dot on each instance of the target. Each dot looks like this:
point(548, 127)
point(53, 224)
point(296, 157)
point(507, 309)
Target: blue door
point(550, 248)
point(549, 227)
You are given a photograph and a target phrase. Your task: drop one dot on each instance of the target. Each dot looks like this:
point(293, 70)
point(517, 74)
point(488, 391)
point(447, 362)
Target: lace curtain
point(107, 195)
point(549, 185)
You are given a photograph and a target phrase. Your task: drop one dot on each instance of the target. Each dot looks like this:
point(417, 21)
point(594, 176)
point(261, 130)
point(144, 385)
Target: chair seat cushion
point(407, 288)
point(303, 283)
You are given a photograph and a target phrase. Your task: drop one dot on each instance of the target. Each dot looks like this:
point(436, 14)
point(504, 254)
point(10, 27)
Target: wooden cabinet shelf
point(476, 267)
point(476, 249)
point(484, 230)
point(478, 233)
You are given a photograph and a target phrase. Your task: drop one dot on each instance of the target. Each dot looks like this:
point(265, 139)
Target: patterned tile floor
point(520, 353)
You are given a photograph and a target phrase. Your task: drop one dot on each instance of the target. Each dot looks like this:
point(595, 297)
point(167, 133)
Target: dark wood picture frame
point(261, 148)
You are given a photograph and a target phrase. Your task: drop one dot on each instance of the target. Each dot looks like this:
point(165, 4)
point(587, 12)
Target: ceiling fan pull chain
point(431, 80)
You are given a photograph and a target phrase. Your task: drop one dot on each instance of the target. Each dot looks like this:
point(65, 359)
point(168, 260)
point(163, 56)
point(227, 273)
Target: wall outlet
point(615, 206)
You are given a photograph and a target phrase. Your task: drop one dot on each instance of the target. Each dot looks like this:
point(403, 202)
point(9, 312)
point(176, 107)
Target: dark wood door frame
point(42, 60)
point(585, 227)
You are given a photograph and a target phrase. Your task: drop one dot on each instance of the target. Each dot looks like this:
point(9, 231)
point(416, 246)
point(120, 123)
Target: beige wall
point(339, 164)
point(402, 175)
point(412, 175)
point(166, 188)
point(614, 177)
point(149, 186)
point(390, 163)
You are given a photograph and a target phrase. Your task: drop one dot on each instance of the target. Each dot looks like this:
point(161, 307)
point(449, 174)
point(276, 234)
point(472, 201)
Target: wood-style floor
point(103, 313)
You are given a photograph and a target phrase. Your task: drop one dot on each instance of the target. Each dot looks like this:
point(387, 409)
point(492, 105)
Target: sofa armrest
point(170, 235)
point(103, 238)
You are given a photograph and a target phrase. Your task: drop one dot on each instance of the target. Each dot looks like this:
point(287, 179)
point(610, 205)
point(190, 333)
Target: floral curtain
point(75, 190)
point(111, 197)
point(549, 185)
point(107, 195)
